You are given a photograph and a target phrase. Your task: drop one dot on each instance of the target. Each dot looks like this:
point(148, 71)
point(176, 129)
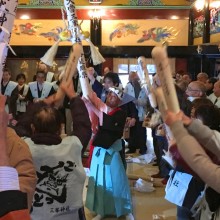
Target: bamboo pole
point(159, 55)
point(76, 59)
point(145, 81)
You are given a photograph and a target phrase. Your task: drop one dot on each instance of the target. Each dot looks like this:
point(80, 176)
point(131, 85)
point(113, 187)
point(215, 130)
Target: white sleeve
point(8, 179)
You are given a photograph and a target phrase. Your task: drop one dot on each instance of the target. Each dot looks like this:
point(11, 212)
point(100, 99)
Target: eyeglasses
point(192, 90)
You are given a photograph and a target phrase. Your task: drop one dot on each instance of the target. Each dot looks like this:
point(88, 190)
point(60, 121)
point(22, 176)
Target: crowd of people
point(42, 166)
point(195, 149)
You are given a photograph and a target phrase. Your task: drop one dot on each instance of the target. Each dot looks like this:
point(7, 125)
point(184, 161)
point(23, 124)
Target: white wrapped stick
point(72, 19)
point(86, 88)
point(143, 73)
point(145, 81)
point(74, 28)
point(75, 55)
point(76, 50)
point(162, 105)
point(159, 55)
point(7, 15)
point(3, 55)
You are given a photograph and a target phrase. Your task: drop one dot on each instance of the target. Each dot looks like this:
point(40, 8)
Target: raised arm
point(97, 87)
point(210, 139)
point(195, 156)
point(97, 102)
point(81, 121)
point(192, 152)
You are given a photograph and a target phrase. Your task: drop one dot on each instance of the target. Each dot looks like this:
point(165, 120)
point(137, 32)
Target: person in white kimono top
point(139, 138)
point(40, 89)
point(42, 67)
point(91, 71)
point(58, 162)
point(9, 89)
point(215, 96)
point(50, 77)
point(22, 92)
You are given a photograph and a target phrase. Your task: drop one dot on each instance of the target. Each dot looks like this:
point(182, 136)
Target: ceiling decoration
point(46, 2)
point(146, 2)
point(178, 2)
point(162, 3)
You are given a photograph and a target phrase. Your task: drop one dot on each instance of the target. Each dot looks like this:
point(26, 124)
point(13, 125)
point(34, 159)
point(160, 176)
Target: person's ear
point(32, 128)
point(61, 130)
point(200, 94)
point(119, 101)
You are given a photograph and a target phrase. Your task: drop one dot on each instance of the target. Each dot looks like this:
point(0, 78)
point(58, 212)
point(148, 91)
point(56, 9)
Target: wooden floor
point(145, 205)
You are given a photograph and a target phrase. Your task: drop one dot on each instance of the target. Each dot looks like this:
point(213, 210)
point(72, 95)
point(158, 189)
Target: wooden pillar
point(96, 31)
point(206, 32)
point(191, 23)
